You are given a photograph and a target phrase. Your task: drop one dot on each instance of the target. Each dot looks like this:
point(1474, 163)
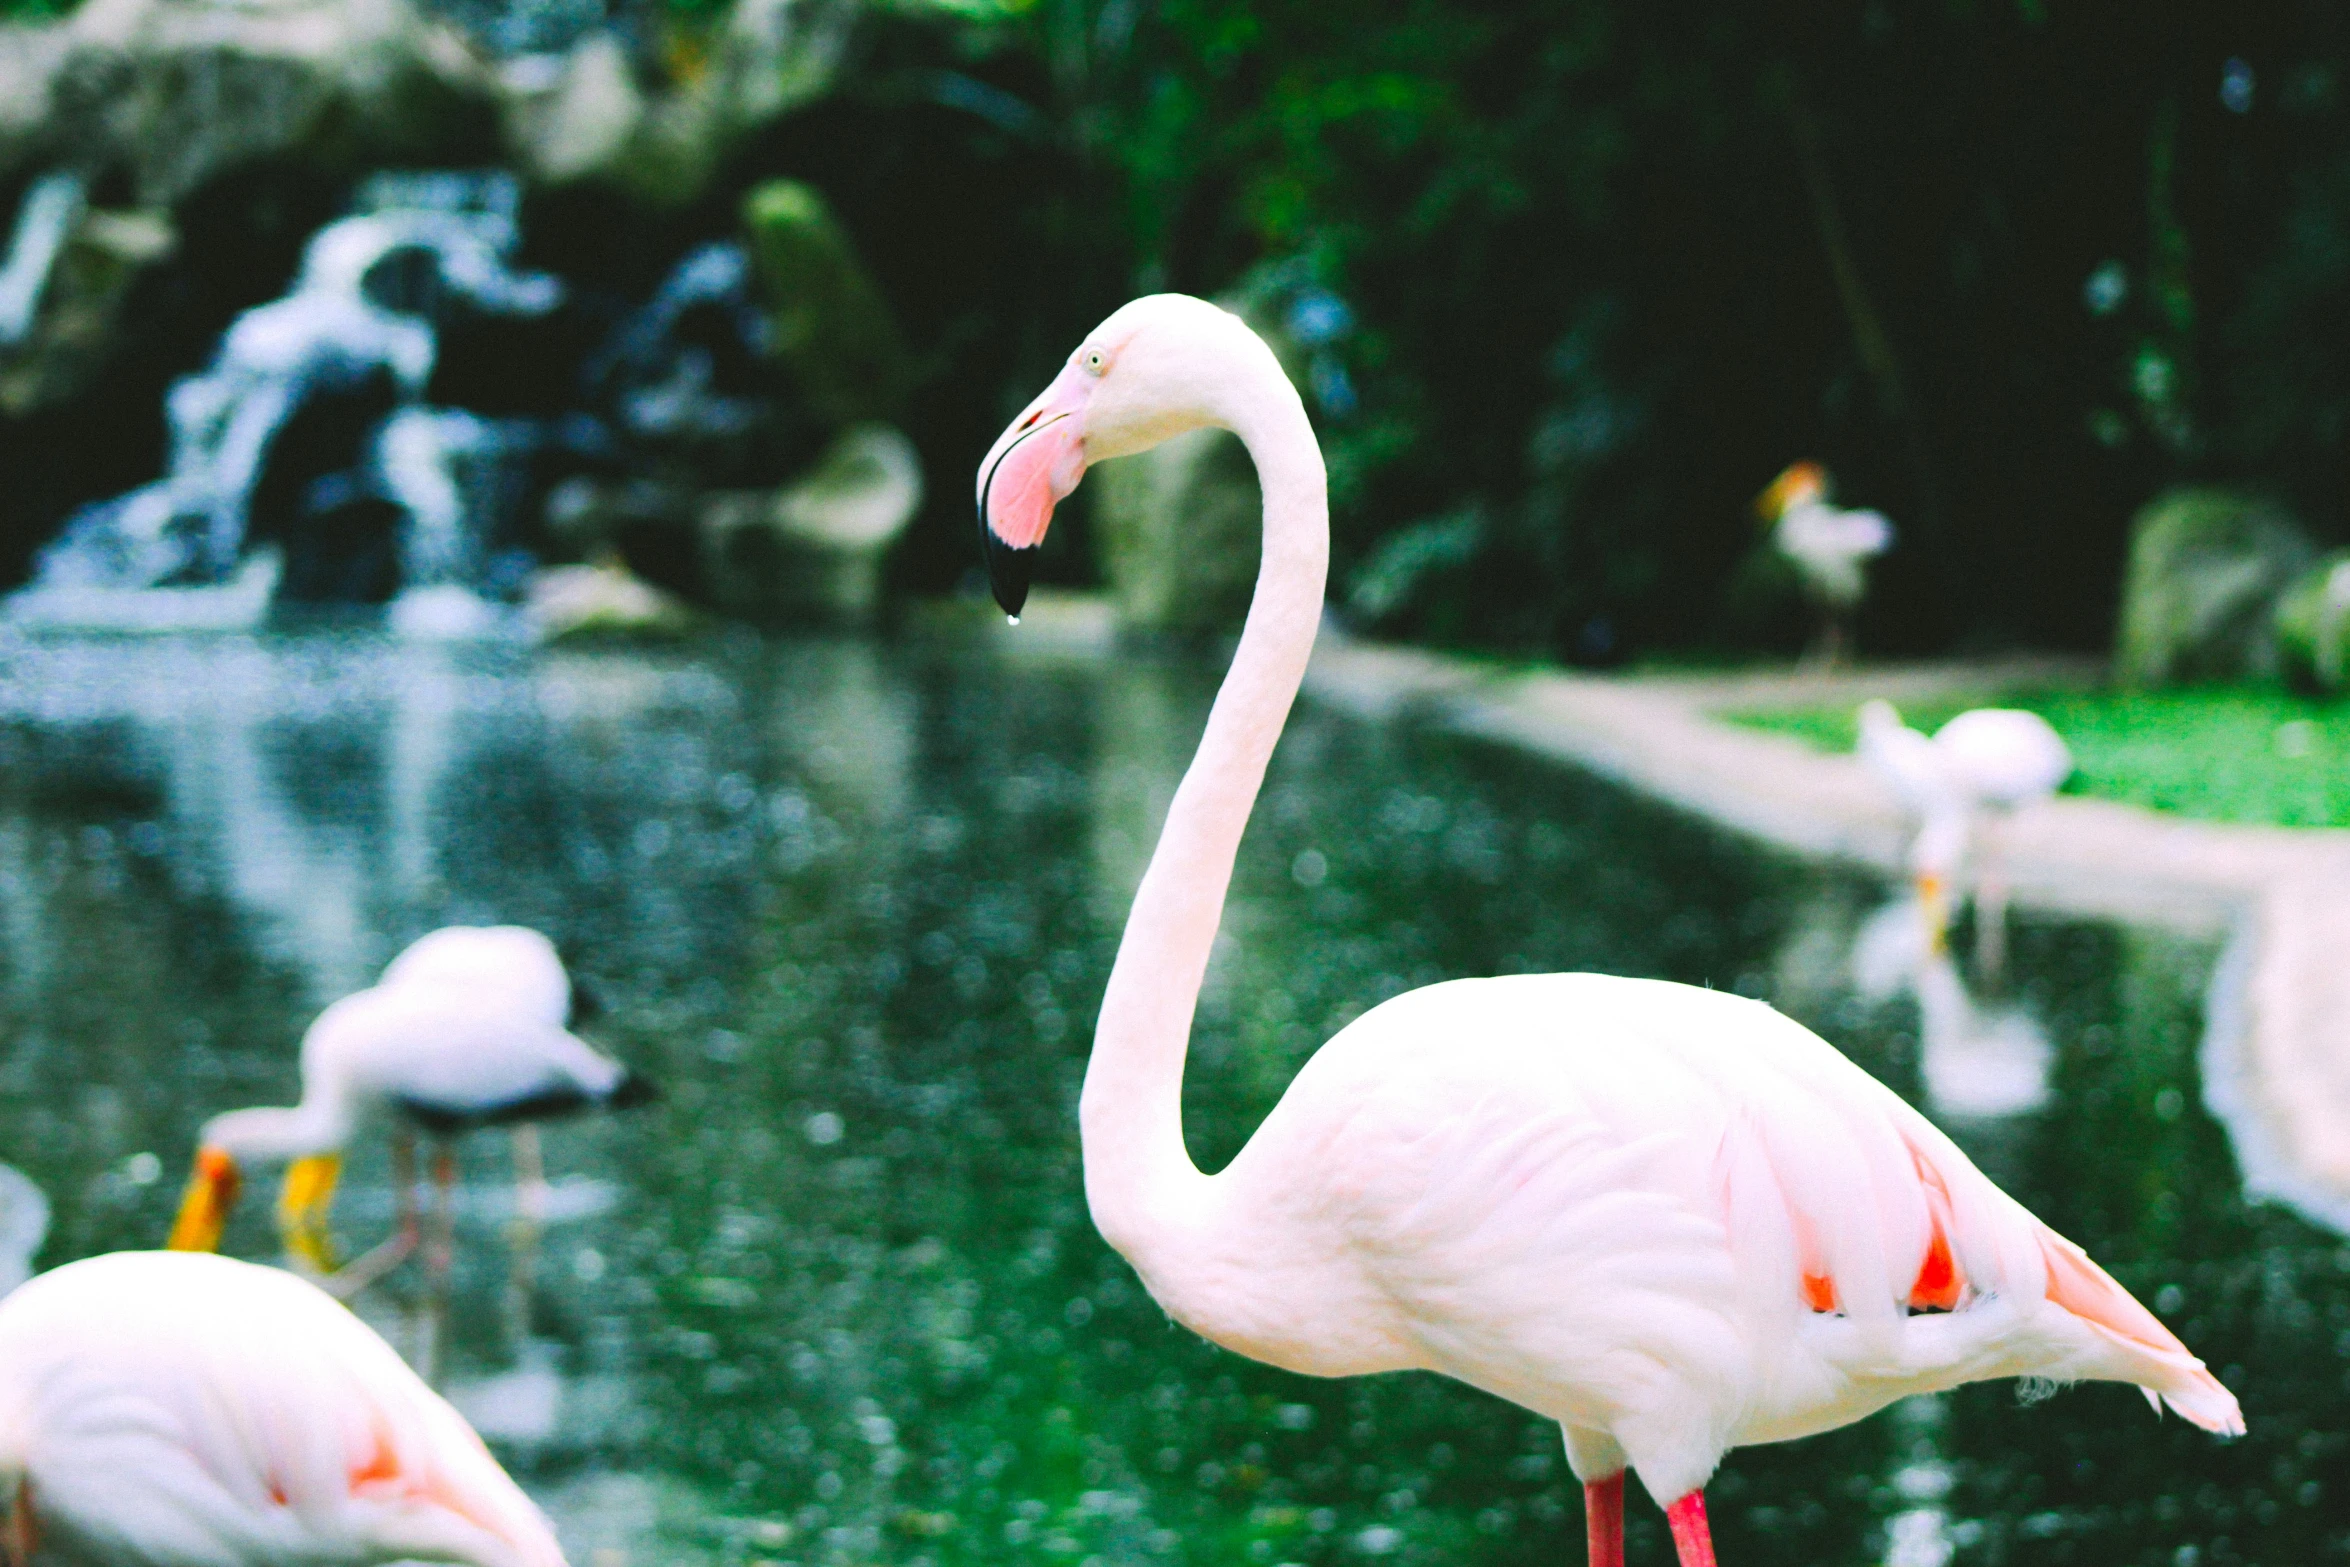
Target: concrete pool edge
point(2277, 1047)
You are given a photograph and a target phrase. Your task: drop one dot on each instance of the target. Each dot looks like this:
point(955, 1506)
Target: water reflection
point(1976, 1060)
point(837, 1300)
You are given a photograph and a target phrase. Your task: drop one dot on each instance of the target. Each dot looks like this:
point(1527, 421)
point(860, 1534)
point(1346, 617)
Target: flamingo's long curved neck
point(1139, 1178)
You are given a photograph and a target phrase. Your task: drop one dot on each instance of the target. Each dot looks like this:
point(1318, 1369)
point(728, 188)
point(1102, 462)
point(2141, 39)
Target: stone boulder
point(582, 116)
point(2313, 625)
point(171, 93)
point(1177, 531)
point(830, 325)
point(2206, 570)
point(814, 550)
point(603, 600)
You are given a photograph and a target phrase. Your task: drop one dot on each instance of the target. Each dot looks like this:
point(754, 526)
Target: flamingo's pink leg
point(1691, 1538)
point(1603, 1521)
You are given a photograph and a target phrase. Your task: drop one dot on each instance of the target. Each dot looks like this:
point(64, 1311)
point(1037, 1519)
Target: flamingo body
point(169, 1409)
point(2002, 757)
point(445, 1062)
point(1672, 1220)
point(1830, 547)
point(496, 966)
point(461, 1033)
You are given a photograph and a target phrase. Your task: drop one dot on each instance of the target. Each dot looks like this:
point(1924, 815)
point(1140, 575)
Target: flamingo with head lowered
point(1667, 1218)
point(464, 1030)
point(160, 1409)
point(1962, 785)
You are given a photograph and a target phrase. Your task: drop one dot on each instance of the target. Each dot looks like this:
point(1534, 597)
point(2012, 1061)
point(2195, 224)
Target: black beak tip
point(1008, 570)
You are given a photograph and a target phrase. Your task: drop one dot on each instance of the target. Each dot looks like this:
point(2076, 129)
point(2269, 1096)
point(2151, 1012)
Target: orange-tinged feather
point(2089, 1292)
point(1938, 1285)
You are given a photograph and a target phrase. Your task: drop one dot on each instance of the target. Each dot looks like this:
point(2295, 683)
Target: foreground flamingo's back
point(177, 1407)
point(1680, 1221)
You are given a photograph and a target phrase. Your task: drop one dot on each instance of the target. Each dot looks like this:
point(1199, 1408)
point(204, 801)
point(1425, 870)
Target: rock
point(603, 600)
point(581, 116)
point(175, 92)
point(572, 115)
point(814, 550)
point(2206, 569)
point(829, 322)
point(2313, 625)
point(1177, 529)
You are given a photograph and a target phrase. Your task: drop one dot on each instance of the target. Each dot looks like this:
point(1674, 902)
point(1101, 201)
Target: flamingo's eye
point(1096, 361)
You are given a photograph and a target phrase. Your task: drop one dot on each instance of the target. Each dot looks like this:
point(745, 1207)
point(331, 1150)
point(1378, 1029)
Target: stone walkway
point(2277, 1053)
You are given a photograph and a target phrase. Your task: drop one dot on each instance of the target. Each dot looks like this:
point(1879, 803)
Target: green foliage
point(2228, 754)
point(2008, 269)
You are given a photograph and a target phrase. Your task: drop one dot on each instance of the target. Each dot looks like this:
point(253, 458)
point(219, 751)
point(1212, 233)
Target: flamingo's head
point(1157, 367)
point(1800, 484)
point(211, 1197)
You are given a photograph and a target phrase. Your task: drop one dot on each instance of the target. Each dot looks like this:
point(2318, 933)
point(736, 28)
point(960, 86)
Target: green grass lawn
point(2224, 754)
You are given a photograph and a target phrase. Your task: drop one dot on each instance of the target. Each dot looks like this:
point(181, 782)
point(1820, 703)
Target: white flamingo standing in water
point(464, 1031)
point(1670, 1219)
point(164, 1409)
point(1978, 770)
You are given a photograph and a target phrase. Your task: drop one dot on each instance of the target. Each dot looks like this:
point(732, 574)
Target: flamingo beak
point(204, 1211)
point(302, 1209)
point(1027, 472)
point(1934, 905)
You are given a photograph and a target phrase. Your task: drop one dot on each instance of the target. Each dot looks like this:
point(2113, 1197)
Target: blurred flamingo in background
point(1668, 1218)
point(1962, 785)
point(464, 1031)
point(1829, 546)
point(159, 1409)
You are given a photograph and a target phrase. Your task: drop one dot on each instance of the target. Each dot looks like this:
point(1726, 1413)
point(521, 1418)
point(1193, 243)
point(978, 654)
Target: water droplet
point(1011, 620)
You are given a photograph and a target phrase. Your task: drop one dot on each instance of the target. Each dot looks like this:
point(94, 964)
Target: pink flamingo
point(172, 1407)
point(1670, 1219)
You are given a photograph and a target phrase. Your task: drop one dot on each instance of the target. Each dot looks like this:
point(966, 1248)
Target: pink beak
point(1029, 469)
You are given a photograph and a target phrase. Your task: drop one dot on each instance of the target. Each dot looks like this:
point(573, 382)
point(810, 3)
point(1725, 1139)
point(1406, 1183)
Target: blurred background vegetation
point(1570, 280)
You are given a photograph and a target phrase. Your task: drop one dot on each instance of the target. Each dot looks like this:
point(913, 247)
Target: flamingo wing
point(2003, 756)
point(1631, 1203)
point(508, 967)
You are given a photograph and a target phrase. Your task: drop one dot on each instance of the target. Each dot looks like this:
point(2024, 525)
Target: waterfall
point(361, 316)
point(52, 205)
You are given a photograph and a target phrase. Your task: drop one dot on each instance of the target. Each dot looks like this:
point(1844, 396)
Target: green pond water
point(835, 1299)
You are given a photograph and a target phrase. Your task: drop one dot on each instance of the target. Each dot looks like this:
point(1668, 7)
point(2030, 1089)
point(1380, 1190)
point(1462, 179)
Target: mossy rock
point(2313, 625)
point(2207, 568)
point(813, 551)
point(832, 327)
point(1178, 530)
